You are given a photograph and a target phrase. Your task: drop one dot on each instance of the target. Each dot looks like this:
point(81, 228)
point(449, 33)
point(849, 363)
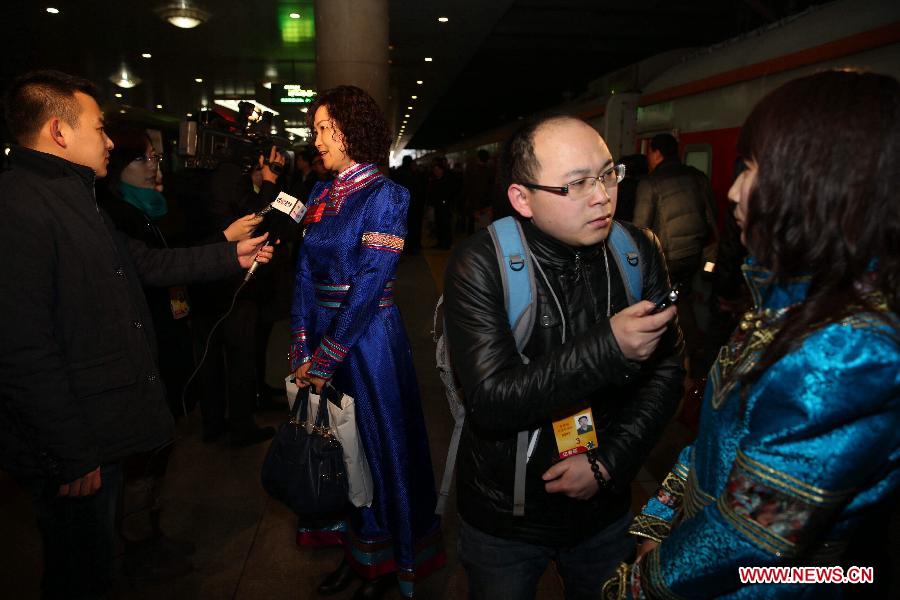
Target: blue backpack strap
point(517, 274)
point(628, 259)
point(519, 295)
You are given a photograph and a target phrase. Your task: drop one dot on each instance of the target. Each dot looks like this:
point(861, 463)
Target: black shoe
point(338, 580)
point(375, 589)
point(252, 436)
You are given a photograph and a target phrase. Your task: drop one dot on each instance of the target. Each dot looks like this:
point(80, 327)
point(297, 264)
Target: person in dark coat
point(79, 378)
point(410, 177)
point(676, 201)
point(443, 194)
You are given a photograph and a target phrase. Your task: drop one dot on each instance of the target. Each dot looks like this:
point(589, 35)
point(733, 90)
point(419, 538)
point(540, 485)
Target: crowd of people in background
point(168, 256)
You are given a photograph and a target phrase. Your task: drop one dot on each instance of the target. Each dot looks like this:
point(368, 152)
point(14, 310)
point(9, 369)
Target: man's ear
point(518, 198)
point(56, 133)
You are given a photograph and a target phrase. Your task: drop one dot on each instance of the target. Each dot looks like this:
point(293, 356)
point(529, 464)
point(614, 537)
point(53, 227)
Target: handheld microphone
point(275, 219)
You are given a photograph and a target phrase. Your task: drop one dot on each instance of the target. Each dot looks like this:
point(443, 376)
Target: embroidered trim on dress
point(350, 181)
point(332, 295)
point(789, 483)
point(650, 527)
point(772, 518)
point(652, 583)
point(671, 491)
point(694, 498)
point(382, 241)
point(297, 353)
point(327, 357)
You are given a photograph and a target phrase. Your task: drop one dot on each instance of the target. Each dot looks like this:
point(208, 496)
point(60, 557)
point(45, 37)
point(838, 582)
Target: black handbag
point(304, 470)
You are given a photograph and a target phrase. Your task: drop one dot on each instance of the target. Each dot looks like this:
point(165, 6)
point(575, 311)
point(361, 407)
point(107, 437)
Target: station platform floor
point(245, 541)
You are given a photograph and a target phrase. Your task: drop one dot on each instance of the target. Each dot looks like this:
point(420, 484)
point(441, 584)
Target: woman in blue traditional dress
point(799, 437)
point(346, 330)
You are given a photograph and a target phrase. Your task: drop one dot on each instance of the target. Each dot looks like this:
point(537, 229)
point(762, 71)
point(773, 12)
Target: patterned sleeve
point(380, 247)
point(822, 442)
point(655, 520)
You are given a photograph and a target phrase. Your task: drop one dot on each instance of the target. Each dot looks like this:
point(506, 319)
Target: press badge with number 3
point(575, 434)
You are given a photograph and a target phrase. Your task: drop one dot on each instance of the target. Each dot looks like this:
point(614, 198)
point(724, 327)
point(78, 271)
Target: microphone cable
point(206, 346)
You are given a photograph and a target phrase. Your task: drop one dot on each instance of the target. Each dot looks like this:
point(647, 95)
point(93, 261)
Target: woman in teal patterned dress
point(799, 435)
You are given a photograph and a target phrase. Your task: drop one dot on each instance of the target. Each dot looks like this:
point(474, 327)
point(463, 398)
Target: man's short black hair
point(40, 95)
point(666, 144)
point(519, 164)
point(583, 417)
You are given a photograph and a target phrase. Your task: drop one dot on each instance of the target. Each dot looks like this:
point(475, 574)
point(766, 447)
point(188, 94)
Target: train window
point(699, 156)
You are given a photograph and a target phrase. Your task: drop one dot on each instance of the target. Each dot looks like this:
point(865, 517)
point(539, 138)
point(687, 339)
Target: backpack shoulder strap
point(628, 259)
point(517, 276)
point(520, 296)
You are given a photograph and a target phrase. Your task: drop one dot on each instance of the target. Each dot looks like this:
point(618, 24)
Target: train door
point(713, 152)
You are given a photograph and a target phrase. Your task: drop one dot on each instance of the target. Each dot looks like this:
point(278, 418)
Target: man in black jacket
point(620, 362)
point(79, 383)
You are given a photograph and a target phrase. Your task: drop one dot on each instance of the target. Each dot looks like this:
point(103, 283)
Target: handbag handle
point(301, 407)
point(322, 413)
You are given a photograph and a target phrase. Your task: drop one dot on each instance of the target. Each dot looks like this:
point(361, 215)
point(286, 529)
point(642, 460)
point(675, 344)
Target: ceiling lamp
point(124, 78)
point(183, 13)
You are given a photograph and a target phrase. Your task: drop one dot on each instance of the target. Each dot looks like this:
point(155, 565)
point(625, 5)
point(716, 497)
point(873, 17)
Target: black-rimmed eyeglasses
point(153, 159)
point(586, 186)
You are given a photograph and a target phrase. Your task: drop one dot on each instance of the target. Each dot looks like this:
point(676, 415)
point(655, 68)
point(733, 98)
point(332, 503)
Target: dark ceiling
point(493, 61)
point(544, 52)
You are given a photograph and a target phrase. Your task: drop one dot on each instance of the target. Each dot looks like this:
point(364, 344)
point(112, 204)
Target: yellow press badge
point(575, 434)
point(178, 302)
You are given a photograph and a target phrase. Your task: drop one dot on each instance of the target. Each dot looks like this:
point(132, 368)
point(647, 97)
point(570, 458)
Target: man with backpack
point(532, 489)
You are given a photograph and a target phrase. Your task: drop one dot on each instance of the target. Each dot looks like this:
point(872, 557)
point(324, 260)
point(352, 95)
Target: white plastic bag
point(342, 420)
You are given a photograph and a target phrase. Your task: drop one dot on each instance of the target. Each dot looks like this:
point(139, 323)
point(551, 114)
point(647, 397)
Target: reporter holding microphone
point(79, 380)
point(230, 380)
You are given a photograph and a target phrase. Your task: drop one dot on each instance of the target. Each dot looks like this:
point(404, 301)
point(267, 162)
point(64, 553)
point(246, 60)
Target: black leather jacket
point(631, 402)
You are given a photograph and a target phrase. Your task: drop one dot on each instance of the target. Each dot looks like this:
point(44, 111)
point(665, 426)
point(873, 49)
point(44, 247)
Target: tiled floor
point(245, 541)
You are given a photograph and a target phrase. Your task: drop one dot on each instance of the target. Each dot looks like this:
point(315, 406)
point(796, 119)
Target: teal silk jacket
point(783, 470)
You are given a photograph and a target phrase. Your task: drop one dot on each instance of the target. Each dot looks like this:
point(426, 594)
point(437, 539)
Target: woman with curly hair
point(346, 331)
point(798, 441)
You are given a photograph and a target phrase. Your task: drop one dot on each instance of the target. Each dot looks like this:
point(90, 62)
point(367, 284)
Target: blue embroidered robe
point(343, 319)
point(782, 470)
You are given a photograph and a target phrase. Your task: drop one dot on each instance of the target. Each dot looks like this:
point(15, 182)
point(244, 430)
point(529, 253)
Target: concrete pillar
point(352, 46)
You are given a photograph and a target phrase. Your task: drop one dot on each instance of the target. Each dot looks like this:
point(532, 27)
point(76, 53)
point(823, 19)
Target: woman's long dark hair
point(825, 202)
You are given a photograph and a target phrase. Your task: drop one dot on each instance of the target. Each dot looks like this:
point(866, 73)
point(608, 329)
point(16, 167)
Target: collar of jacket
point(50, 166)
point(556, 254)
point(767, 293)
point(668, 163)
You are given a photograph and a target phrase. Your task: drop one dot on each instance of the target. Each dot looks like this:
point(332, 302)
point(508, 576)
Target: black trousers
point(228, 376)
point(78, 537)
